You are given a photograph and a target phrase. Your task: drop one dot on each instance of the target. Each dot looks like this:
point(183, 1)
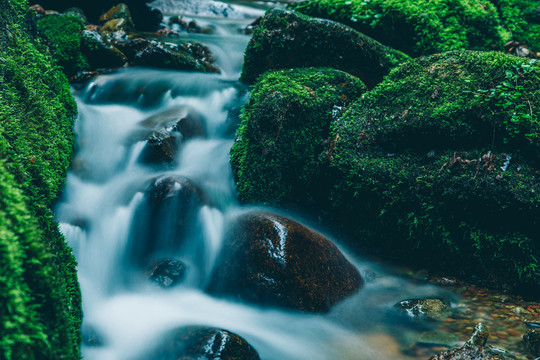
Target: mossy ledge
point(437, 166)
point(40, 301)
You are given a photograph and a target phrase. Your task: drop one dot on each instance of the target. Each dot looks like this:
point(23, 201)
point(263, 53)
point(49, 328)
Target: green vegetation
point(283, 130)
point(417, 27)
point(286, 39)
point(522, 19)
point(64, 33)
point(40, 309)
point(436, 166)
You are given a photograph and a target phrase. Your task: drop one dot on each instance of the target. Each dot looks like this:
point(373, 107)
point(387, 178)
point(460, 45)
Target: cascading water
point(103, 214)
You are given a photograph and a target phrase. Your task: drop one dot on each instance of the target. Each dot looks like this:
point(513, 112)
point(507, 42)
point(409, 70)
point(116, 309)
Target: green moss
point(432, 169)
point(285, 40)
point(521, 18)
point(64, 33)
point(284, 128)
point(416, 27)
point(40, 309)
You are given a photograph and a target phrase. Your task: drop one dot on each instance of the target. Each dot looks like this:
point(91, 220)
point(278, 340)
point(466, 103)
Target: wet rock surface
point(165, 218)
point(200, 342)
point(161, 148)
point(532, 341)
point(100, 54)
point(432, 309)
point(167, 273)
point(271, 260)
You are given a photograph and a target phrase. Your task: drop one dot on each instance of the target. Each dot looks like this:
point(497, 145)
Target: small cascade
point(151, 184)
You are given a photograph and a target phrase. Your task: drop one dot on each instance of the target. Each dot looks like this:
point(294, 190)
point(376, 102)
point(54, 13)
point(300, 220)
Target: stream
point(102, 215)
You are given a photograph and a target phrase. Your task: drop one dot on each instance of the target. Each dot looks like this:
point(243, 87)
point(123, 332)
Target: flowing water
point(105, 191)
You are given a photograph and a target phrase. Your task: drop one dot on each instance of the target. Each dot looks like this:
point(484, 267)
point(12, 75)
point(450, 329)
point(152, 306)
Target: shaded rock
point(98, 53)
point(203, 56)
point(144, 17)
point(479, 336)
point(200, 342)
point(518, 49)
point(285, 39)
point(161, 148)
point(120, 11)
point(91, 337)
point(115, 29)
point(183, 120)
point(77, 12)
point(165, 218)
point(473, 349)
point(269, 259)
point(167, 272)
point(532, 341)
point(141, 52)
point(469, 353)
point(433, 309)
point(38, 9)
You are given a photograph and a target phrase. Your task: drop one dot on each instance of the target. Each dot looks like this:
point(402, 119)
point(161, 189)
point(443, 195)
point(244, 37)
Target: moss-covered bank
point(40, 308)
point(424, 27)
point(436, 166)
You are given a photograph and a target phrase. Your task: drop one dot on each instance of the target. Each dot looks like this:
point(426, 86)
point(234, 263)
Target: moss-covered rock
point(285, 40)
point(438, 165)
point(441, 162)
point(40, 309)
point(64, 33)
point(417, 27)
point(285, 125)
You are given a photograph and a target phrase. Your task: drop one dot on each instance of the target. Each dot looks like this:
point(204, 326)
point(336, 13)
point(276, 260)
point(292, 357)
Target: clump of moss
point(40, 308)
point(436, 168)
point(284, 128)
point(521, 18)
point(64, 33)
point(416, 27)
point(285, 40)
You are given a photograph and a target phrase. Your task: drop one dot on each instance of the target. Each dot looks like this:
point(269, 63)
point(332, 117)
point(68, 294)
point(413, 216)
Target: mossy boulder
point(275, 157)
point(40, 308)
point(417, 27)
point(286, 39)
point(431, 308)
point(64, 33)
point(443, 156)
point(269, 259)
point(437, 165)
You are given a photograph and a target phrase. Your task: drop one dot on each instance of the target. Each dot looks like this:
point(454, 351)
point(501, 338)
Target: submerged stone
point(165, 218)
point(200, 342)
point(433, 309)
point(532, 341)
point(286, 39)
point(269, 259)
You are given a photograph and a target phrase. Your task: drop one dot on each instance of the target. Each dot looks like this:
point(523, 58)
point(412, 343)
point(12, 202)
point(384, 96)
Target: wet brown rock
point(165, 218)
point(120, 11)
point(38, 9)
point(269, 259)
point(199, 342)
point(468, 353)
point(161, 148)
point(433, 309)
point(167, 272)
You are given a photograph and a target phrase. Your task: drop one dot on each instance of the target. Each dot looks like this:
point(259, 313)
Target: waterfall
point(104, 215)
